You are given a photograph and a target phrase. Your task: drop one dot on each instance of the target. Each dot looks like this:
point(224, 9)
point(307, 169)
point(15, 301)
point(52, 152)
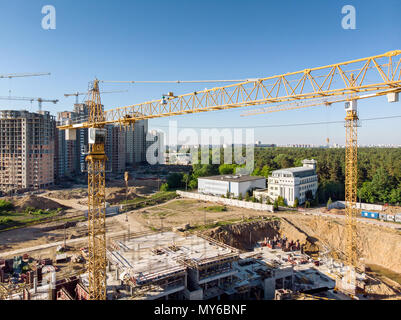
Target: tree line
point(379, 171)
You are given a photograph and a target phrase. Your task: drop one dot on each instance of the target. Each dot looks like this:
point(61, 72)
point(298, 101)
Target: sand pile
point(379, 289)
point(117, 195)
point(37, 203)
point(238, 235)
point(69, 194)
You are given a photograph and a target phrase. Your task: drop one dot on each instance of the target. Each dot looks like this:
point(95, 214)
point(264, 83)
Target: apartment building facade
point(27, 150)
point(292, 183)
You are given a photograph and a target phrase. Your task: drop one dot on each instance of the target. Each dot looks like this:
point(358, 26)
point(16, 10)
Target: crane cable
point(296, 124)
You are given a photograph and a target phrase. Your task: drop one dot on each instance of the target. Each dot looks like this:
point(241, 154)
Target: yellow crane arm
point(380, 73)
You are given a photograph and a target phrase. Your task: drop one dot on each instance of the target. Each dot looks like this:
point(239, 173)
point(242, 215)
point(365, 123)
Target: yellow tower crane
point(376, 75)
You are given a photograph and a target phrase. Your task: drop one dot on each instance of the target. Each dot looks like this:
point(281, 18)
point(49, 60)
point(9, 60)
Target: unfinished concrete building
point(27, 142)
point(67, 151)
point(170, 266)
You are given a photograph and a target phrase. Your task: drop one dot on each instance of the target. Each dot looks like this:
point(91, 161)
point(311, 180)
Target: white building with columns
point(292, 183)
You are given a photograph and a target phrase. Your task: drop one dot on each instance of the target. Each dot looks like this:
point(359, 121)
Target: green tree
point(227, 168)
point(395, 196)
point(382, 183)
point(247, 196)
point(256, 172)
point(298, 163)
point(296, 203)
point(283, 161)
point(240, 196)
point(185, 180)
point(164, 187)
point(281, 201)
point(193, 184)
point(5, 205)
point(329, 202)
point(174, 180)
point(266, 171)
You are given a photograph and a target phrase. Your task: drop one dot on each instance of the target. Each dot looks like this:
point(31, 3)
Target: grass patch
point(215, 224)
point(13, 220)
point(215, 208)
point(163, 214)
point(152, 200)
point(180, 204)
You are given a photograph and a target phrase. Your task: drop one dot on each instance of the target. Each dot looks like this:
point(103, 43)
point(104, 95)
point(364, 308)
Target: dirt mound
point(115, 195)
point(244, 235)
point(37, 203)
point(69, 194)
point(118, 195)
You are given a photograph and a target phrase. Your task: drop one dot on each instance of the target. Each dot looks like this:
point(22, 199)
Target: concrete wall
point(193, 295)
point(269, 286)
point(364, 206)
point(229, 202)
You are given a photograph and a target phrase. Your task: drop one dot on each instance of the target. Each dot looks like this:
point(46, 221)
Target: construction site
point(94, 207)
point(266, 257)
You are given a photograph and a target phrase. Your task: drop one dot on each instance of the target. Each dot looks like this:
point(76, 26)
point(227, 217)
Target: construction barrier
point(228, 202)
point(364, 206)
point(110, 211)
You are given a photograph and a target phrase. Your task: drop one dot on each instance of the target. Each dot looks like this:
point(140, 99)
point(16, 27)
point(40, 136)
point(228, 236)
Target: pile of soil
point(117, 195)
point(392, 210)
point(70, 194)
point(37, 203)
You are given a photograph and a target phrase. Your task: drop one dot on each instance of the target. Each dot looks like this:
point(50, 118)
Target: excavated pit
point(376, 245)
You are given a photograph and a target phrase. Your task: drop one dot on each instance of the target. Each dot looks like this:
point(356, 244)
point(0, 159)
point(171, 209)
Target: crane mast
point(96, 160)
point(351, 180)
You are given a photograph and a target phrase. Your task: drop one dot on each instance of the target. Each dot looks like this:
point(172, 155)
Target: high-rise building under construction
point(27, 146)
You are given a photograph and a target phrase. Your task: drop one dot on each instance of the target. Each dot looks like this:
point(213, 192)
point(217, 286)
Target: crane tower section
point(351, 179)
point(96, 160)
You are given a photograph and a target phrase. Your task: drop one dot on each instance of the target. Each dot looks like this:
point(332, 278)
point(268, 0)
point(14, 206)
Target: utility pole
point(126, 178)
point(65, 242)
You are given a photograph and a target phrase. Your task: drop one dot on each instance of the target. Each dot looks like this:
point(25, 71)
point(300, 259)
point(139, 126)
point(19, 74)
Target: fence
point(364, 206)
point(110, 211)
point(229, 202)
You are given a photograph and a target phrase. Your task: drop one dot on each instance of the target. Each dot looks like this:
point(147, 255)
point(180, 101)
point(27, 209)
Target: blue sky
point(191, 40)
